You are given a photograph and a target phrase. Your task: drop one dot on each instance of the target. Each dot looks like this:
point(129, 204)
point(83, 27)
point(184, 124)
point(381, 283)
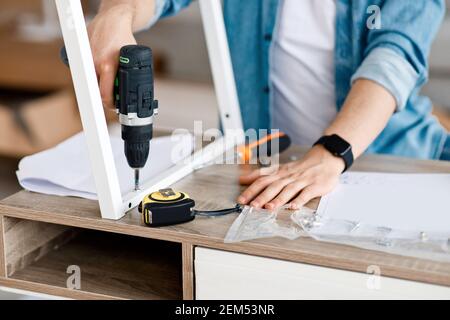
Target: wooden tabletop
point(216, 187)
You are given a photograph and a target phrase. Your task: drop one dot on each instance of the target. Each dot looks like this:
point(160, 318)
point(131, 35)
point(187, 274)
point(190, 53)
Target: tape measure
point(168, 207)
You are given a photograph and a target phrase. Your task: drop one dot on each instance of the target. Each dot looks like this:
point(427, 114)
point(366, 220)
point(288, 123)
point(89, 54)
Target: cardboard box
point(22, 5)
point(32, 66)
point(39, 124)
point(33, 125)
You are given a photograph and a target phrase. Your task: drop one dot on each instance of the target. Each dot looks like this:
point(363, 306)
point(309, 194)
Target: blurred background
point(37, 105)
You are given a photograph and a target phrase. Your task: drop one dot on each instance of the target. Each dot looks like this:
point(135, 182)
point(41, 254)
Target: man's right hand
point(111, 29)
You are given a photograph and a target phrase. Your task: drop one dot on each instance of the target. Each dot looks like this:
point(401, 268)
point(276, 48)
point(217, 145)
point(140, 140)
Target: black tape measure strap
point(217, 213)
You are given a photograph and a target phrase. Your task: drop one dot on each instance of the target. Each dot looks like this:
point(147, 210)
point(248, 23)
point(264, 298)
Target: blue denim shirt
point(394, 56)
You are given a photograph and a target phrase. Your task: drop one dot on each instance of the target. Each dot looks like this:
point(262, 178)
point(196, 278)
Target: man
point(312, 68)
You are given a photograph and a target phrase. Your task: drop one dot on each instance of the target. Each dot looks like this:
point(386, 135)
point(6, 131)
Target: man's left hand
point(295, 183)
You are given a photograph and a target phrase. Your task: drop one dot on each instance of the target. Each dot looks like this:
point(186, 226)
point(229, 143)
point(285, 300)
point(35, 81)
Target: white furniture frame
point(114, 205)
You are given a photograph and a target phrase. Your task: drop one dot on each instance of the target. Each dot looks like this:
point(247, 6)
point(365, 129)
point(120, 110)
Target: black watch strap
point(338, 147)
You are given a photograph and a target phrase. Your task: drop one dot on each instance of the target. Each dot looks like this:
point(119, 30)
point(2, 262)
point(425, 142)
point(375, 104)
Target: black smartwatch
point(338, 147)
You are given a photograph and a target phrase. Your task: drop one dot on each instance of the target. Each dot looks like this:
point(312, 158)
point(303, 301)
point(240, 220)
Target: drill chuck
point(135, 103)
point(137, 144)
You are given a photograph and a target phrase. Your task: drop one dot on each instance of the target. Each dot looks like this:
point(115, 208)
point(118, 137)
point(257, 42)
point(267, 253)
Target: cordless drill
point(134, 102)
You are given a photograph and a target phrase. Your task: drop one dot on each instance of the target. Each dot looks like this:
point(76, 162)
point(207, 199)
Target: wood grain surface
point(2, 250)
point(112, 265)
point(58, 292)
point(217, 187)
point(188, 271)
point(27, 241)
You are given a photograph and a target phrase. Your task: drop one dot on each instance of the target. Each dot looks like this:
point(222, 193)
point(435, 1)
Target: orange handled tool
point(264, 146)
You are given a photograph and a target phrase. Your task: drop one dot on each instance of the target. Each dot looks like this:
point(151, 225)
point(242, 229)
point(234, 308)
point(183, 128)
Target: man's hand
point(366, 111)
point(108, 32)
point(296, 183)
point(111, 29)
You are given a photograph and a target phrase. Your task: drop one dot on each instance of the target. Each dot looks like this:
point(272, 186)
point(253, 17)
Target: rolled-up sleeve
point(165, 8)
point(396, 54)
point(159, 10)
point(390, 70)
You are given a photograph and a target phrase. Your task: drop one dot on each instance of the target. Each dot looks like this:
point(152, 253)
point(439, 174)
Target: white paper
point(405, 202)
point(65, 169)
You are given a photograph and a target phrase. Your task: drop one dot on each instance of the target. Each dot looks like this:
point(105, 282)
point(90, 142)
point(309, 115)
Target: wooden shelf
point(114, 265)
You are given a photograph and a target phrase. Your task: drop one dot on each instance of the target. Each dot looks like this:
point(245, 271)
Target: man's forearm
point(364, 115)
point(140, 11)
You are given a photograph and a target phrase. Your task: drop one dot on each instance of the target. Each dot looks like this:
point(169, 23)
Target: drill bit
point(136, 179)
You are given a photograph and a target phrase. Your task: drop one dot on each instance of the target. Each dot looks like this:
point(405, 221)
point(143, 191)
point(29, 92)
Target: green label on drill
point(124, 60)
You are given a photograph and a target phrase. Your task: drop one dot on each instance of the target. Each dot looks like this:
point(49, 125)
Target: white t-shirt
point(302, 69)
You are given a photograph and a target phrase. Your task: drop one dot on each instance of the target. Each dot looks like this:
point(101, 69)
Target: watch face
point(339, 145)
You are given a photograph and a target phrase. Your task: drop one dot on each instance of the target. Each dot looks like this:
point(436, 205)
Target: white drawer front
point(227, 275)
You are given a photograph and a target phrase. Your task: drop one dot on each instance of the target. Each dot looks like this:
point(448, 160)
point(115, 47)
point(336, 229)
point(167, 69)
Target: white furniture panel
point(226, 275)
